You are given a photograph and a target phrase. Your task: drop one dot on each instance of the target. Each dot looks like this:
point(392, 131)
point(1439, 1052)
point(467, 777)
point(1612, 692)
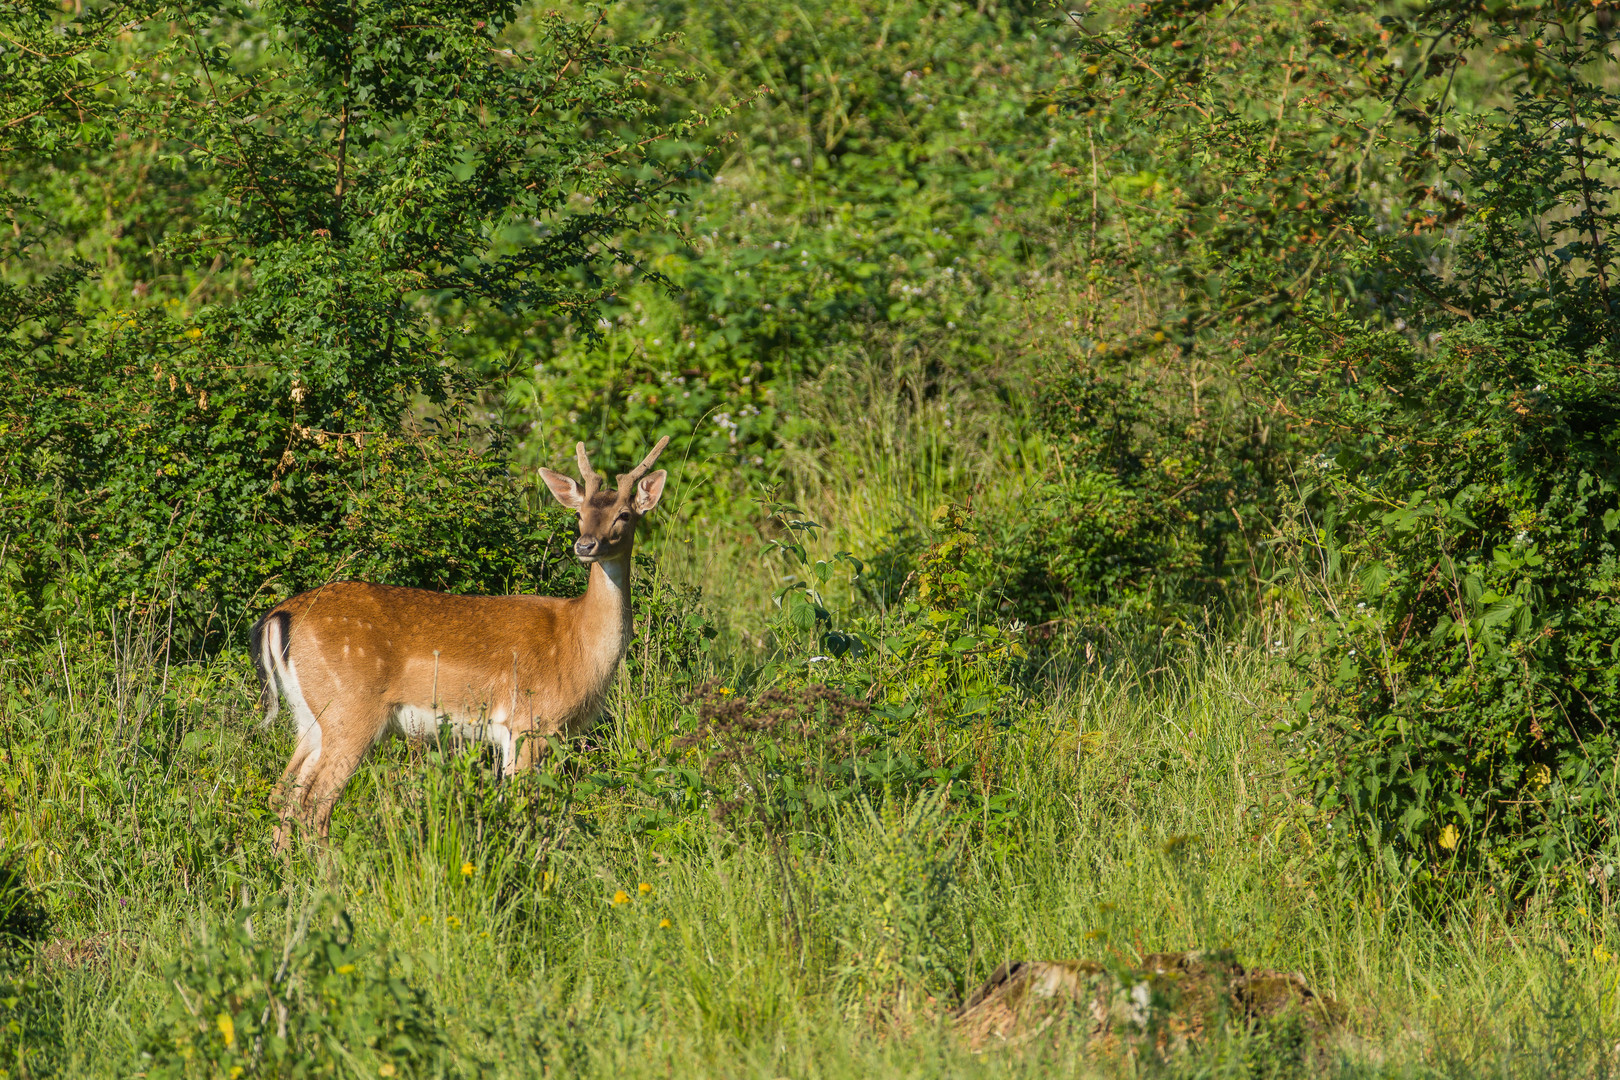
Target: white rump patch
point(286, 678)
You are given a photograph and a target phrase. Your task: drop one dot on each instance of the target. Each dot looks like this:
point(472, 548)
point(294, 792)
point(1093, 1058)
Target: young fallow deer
point(358, 662)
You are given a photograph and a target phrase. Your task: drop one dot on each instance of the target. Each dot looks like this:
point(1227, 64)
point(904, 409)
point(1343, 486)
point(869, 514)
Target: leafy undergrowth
point(745, 875)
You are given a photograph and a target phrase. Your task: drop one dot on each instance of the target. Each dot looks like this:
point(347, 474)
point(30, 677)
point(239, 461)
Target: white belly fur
point(417, 722)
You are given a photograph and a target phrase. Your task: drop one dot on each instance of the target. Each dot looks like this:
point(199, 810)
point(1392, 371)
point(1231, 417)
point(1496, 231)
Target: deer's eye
point(624, 516)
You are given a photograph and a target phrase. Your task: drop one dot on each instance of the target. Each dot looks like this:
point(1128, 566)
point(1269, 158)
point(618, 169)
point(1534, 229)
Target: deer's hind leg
point(327, 755)
point(343, 750)
point(291, 792)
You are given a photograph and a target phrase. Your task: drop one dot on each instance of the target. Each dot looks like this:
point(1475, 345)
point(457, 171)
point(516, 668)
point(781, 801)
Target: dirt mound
point(1165, 1003)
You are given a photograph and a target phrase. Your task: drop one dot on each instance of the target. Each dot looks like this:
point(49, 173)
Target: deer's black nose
point(586, 545)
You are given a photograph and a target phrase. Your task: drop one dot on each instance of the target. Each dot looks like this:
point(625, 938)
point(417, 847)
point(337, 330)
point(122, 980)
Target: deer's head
point(608, 518)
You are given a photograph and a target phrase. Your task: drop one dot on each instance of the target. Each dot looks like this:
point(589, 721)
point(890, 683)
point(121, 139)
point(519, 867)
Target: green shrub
point(207, 452)
point(1134, 522)
point(1383, 264)
point(276, 993)
point(1470, 623)
point(1469, 527)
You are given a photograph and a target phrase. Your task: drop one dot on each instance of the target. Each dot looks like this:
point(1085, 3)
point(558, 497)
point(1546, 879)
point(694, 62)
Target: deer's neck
point(605, 614)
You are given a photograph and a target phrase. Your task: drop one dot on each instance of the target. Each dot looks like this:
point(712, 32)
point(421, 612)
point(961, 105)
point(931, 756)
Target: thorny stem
point(213, 92)
point(343, 128)
point(1598, 260)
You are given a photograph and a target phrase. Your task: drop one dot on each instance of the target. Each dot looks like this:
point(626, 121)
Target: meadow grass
point(1156, 814)
point(1149, 809)
point(1146, 807)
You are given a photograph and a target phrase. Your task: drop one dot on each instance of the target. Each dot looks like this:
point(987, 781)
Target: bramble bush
point(1468, 643)
point(1467, 496)
point(1473, 514)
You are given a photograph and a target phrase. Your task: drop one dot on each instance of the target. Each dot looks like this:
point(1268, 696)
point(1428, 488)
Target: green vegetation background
point(1143, 478)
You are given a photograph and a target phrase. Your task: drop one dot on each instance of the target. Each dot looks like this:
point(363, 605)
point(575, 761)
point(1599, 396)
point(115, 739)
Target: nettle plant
point(352, 173)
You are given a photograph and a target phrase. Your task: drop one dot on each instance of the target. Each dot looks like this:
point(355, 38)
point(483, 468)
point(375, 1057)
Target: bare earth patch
point(1169, 1001)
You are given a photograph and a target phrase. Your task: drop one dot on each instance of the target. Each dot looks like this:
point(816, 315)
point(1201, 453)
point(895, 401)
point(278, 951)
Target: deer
point(358, 661)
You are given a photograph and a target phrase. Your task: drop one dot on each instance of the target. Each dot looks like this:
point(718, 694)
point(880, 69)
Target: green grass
point(142, 832)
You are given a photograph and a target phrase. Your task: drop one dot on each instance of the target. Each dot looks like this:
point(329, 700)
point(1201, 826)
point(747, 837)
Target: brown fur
point(359, 661)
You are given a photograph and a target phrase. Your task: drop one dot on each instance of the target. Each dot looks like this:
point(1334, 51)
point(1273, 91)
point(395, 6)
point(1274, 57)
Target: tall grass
point(892, 434)
point(1155, 815)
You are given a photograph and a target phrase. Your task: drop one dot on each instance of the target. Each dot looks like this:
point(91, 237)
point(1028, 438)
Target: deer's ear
point(649, 490)
point(564, 488)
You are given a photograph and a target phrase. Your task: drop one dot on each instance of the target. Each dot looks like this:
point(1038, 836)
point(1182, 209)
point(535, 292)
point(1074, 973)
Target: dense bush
point(1471, 501)
point(207, 453)
point(1401, 267)
point(1471, 627)
point(884, 189)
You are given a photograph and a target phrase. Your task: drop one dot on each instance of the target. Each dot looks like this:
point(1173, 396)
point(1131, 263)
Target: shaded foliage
point(345, 163)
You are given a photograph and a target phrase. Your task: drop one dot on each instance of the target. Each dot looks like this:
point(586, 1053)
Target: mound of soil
point(1164, 1004)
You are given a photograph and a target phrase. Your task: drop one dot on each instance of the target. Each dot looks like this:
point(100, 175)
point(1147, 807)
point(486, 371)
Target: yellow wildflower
point(346, 969)
point(724, 690)
point(1602, 955)
point(466, 869)
point(663, 924)
point(644, 888)
point(452, 922)
point(620, 897)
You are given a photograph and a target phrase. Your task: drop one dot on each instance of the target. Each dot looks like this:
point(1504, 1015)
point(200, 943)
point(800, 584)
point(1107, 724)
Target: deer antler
point(628, 480)
point(586, 473)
